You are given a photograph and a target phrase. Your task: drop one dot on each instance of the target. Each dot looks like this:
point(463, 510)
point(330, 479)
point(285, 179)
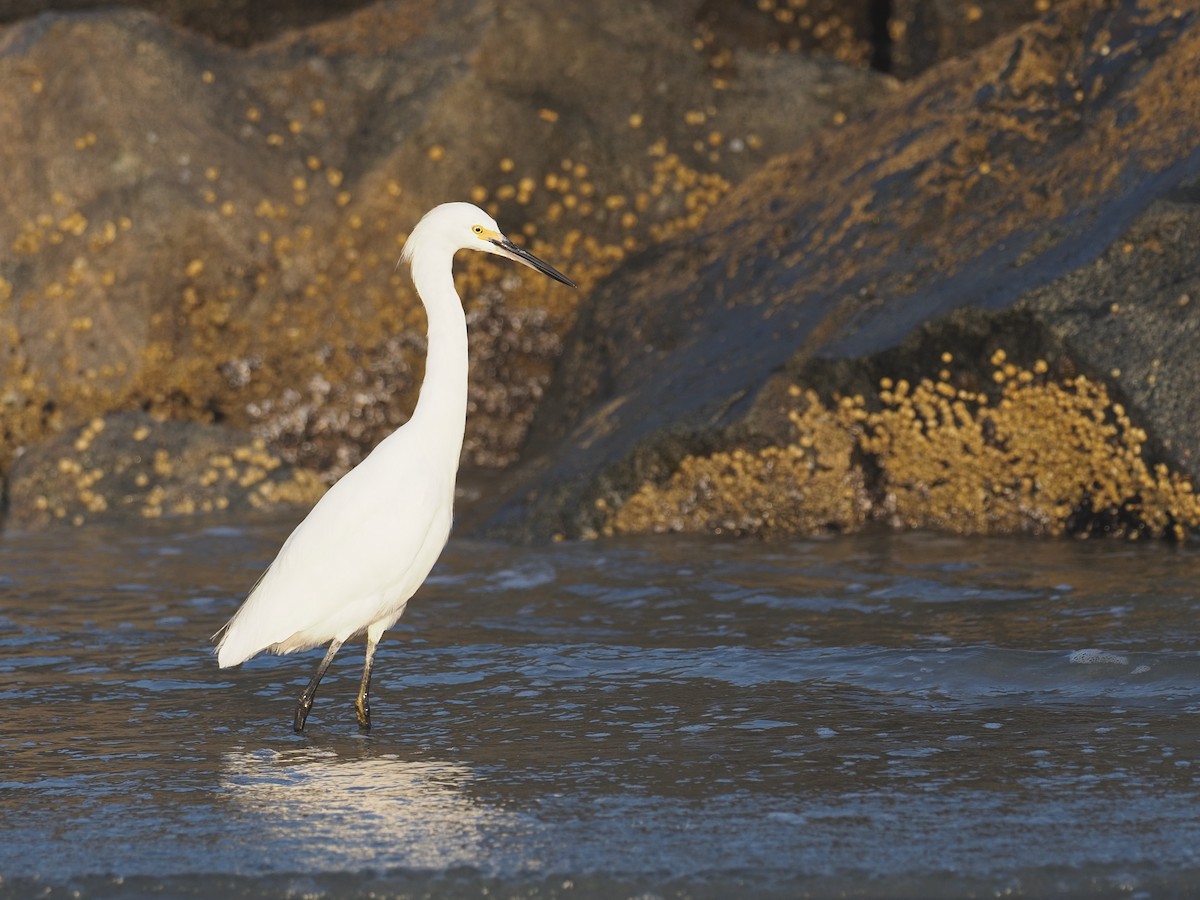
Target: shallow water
point(874, 715)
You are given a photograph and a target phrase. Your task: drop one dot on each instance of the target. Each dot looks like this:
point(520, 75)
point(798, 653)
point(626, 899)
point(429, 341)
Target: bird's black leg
point(304, 704)
point(362, 706)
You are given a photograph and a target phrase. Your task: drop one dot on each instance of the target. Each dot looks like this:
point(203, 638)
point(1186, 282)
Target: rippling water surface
point(872, 715)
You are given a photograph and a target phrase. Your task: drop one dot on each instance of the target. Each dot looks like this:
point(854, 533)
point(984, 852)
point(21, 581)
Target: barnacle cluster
point(1031, 454)
point(308, 335)
point(131, 464)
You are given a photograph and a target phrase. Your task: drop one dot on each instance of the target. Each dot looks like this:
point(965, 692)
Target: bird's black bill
point(533, 262)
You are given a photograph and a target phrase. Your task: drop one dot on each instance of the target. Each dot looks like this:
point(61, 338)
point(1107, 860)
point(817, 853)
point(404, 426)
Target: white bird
point(369, 543)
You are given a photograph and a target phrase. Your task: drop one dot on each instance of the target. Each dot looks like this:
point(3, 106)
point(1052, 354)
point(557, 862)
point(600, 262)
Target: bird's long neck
point(443, 399)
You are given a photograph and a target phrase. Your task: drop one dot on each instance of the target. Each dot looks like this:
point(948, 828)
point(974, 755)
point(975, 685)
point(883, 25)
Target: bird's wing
point(355, 547)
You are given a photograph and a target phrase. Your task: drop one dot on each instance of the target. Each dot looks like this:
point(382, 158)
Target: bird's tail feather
point(226, 654)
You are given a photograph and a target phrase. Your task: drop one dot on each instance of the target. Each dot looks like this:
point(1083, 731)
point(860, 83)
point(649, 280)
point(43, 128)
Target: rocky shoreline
point(813, 296)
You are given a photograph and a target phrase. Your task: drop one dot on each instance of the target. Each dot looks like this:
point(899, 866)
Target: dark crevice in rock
point(881, 36)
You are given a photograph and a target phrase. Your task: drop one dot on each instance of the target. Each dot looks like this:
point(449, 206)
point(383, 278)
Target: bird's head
point(464, 226)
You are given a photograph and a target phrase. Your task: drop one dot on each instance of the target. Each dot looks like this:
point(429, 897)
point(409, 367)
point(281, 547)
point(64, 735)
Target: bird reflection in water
point(380, 811)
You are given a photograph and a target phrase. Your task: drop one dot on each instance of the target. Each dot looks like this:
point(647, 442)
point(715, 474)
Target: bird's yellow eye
point(478, 229)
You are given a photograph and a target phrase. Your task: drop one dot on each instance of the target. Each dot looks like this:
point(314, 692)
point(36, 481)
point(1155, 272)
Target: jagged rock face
point(1012, 179)
point(240, 23)
point(211, 233)
point(923, 33)
point(998, 255)
point(903, 37)
point(131, 466)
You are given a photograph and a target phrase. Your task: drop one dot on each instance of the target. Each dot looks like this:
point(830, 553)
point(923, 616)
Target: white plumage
point(351, 566)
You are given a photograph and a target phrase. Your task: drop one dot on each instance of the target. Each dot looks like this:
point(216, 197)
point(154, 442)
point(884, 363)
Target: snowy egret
point(369, 543)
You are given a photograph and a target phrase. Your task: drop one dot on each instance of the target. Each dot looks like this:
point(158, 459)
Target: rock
point(129, 465)
point(903, 38)
point(851, 32)
point(1011, 233)
point(239, 23)
point(923, 33)
point(845, 31)
point(211, 234)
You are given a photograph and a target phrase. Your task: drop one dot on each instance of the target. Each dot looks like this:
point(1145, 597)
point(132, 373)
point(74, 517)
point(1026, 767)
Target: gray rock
point(131, 466)
point(211, 234)
point(1010, 183)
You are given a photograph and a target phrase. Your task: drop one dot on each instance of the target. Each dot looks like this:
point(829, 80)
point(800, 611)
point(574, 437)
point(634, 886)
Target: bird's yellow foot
point(363, 711)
